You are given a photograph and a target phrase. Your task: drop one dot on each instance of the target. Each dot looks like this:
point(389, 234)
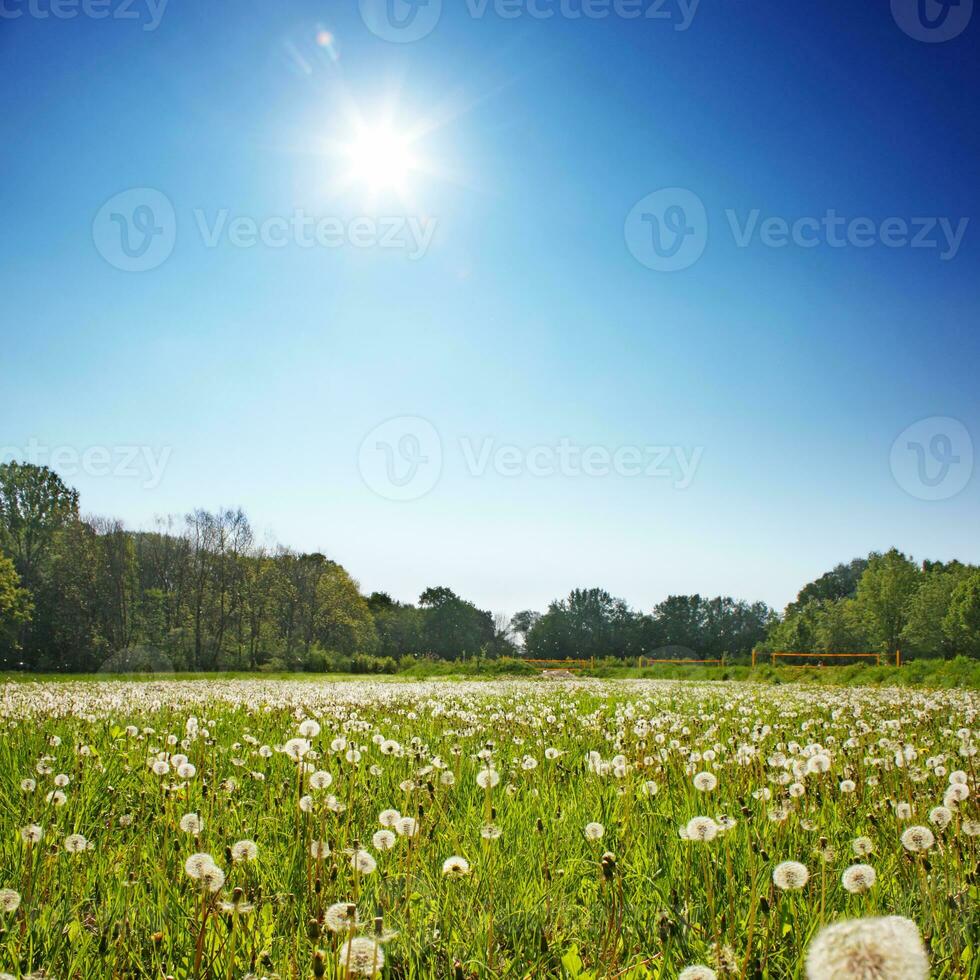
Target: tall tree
point(16, 609)
point(884, 596)
point(34, 506)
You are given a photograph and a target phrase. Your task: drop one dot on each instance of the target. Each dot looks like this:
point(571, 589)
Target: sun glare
point(381, 159)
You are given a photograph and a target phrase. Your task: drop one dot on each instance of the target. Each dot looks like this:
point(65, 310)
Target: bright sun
point(380, 158)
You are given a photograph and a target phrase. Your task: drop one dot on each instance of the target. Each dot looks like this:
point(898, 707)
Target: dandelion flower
point(790, 876)
point(363, 862)
point(594, 831)
point(697, 972)
point(868, 949)
point(361, 956)
point(191, 823)
point(320, 780)
point(383, 840)
point(487, 778)
point(862, 846)
point(701, 829)
point(858, 878)
point(197, 864)
point(320, 849)
point(917, 839)
point(388, 818)
point(244, 850)
point(75, 843)
point(704, 782)
point(31, 834)
point(341, 917)
point(9, 900)
point(455, 867)
point(406, 827)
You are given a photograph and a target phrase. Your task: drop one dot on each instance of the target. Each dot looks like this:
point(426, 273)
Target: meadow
point(585, 829)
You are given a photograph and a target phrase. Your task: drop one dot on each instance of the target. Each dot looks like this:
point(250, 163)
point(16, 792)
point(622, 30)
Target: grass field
point(230, 828)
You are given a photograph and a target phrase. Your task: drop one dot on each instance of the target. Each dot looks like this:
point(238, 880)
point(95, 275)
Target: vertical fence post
point(753, 656)
point(898, 658)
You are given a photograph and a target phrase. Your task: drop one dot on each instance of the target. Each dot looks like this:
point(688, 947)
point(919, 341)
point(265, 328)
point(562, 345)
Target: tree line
point(199, 593)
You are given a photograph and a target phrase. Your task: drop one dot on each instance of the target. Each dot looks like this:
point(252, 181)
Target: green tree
point(926, 631)
point(16, 609)
point(884, 596)
point(452, 627)
point(34, 506)
point(962, 620)
point(344, 622)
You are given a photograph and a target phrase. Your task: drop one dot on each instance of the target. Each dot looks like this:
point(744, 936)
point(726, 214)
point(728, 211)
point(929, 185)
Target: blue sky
point(260, 375)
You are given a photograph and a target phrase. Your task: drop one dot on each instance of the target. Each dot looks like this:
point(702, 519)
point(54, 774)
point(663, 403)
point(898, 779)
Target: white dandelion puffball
point(594, 831)
point(388, 818)
point(701, 829)
point(320, 849)
point(917, 839)
point(361, 956)
point(9, 900)
point(191, 823)
point(31, 834)
point(244, 850)
point(858, 878)
point(363, 862)
point(862, 846)
point(383, 840)
point(197, 864)
point(455, 867)
point(75, 843)
point(487, 778)
point(320, 780)
point(341, 917)
point(213, 878)
point(790, 876)
point(406, 827)
point(704, 782)
point(697, 972)
point(309, 728)
point(940, 816)
point(868, 949)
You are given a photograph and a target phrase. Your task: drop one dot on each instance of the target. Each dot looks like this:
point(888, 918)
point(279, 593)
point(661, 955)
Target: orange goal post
point(822, 657)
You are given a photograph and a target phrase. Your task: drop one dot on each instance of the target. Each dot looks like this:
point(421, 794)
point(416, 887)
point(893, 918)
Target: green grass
point(541, 900)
